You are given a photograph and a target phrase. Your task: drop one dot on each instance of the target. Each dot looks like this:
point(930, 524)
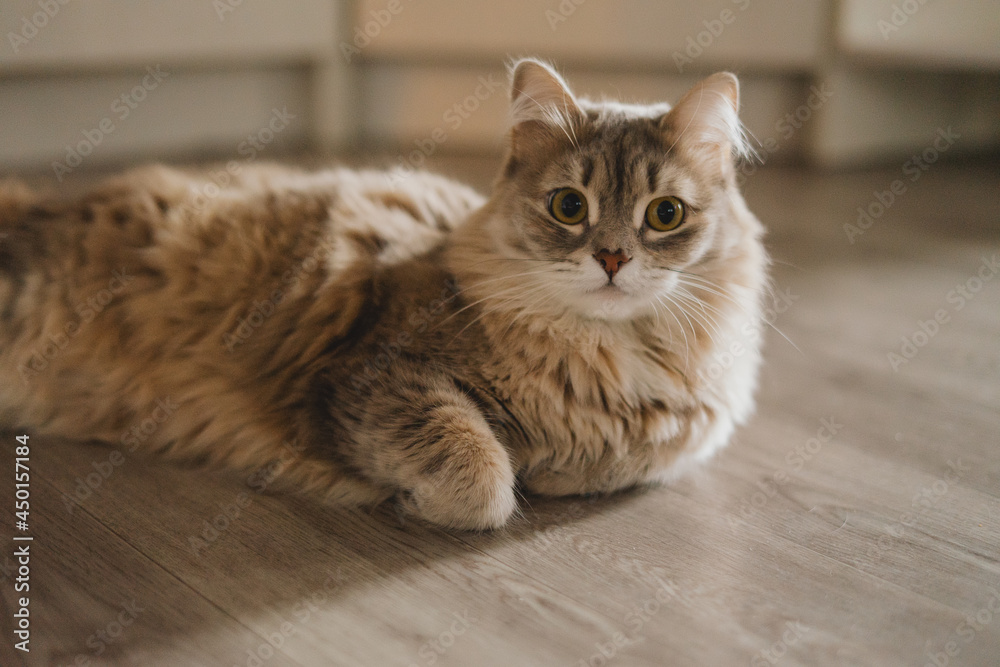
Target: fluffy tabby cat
point(367, 335)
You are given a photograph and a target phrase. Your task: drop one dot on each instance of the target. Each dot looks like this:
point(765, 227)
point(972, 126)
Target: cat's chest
point(598, 399)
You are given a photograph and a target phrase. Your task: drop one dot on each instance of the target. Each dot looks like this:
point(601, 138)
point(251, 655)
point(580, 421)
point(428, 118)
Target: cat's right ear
point(542, 107)
point(705, 123)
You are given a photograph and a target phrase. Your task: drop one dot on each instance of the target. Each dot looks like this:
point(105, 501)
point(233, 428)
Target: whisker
point(687, 350)
point(707, 319)
point(701, 303)
point(505, 300)
point(512, 288)
point(681, 308)
point(547, 298)
point(512, 276)
point(739, 305)
point(523, 259)
point(707, 280)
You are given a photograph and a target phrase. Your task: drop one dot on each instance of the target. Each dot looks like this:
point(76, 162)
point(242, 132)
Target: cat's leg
point(576, 478)
point(435, 445)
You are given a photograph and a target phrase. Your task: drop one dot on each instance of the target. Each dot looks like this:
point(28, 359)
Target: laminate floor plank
point(746, 592)
point(96, 600)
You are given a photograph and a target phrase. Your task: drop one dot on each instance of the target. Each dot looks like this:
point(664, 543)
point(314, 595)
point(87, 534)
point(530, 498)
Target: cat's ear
point(706, 121)
point(538, 93)
point(541, 104)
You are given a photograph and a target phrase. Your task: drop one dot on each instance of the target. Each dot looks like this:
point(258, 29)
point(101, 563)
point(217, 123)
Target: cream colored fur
point(363, 336)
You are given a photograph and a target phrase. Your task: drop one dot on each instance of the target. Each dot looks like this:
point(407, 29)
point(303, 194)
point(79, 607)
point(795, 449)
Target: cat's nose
point(611, 262)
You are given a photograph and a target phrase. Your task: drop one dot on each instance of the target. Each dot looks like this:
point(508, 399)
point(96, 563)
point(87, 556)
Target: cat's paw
point(468, 484)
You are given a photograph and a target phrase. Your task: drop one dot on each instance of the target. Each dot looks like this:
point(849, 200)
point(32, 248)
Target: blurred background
point(831, 83)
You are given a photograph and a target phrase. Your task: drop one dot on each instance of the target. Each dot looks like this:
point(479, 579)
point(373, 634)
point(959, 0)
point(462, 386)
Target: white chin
point(609, 303)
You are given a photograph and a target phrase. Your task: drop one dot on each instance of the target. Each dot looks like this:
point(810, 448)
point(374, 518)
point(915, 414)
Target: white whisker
point(711, 324)
point(546, 290)
point(712, 288)
point(687, 350)
point(499, 293)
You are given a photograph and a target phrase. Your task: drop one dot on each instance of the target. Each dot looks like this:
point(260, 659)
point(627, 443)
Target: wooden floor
point(854, 521)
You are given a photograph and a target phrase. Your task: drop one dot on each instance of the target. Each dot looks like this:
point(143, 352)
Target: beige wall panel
point(424, 104)
point(926, 33)
point(109, 33)
point(883, 116)
point(186, 113)
point(784, 35)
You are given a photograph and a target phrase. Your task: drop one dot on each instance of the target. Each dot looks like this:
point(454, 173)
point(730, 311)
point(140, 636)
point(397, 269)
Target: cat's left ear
point(542, 107)
point(706, 121)
point(537, 92)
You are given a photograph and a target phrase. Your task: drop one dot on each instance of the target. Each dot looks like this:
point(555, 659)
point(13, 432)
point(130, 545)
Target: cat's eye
point(568, 206)
point(665, 214)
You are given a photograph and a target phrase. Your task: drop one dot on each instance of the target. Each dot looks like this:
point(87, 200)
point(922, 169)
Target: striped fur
point(363, 336)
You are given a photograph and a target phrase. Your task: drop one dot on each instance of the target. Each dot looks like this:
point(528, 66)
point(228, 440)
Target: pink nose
point(611, 262)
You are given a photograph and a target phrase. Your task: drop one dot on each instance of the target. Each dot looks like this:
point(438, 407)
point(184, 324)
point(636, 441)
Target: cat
point(367, 336)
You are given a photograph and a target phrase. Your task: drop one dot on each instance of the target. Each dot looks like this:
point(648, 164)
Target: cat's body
point(365, 337)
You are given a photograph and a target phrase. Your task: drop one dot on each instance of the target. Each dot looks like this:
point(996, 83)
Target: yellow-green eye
point(568, 206)
point(665, 213)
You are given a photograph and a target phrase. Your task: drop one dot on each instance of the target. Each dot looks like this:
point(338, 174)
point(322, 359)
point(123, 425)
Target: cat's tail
point(15, 198)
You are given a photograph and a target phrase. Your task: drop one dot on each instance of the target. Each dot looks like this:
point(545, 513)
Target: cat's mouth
point(609, 290)
point(610, 295)
point(611, 301)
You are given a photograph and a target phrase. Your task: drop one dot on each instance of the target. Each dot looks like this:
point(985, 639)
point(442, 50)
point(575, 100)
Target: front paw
point(467, 483)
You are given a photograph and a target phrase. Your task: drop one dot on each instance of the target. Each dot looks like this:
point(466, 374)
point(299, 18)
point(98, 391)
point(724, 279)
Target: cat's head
point(602, 209)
